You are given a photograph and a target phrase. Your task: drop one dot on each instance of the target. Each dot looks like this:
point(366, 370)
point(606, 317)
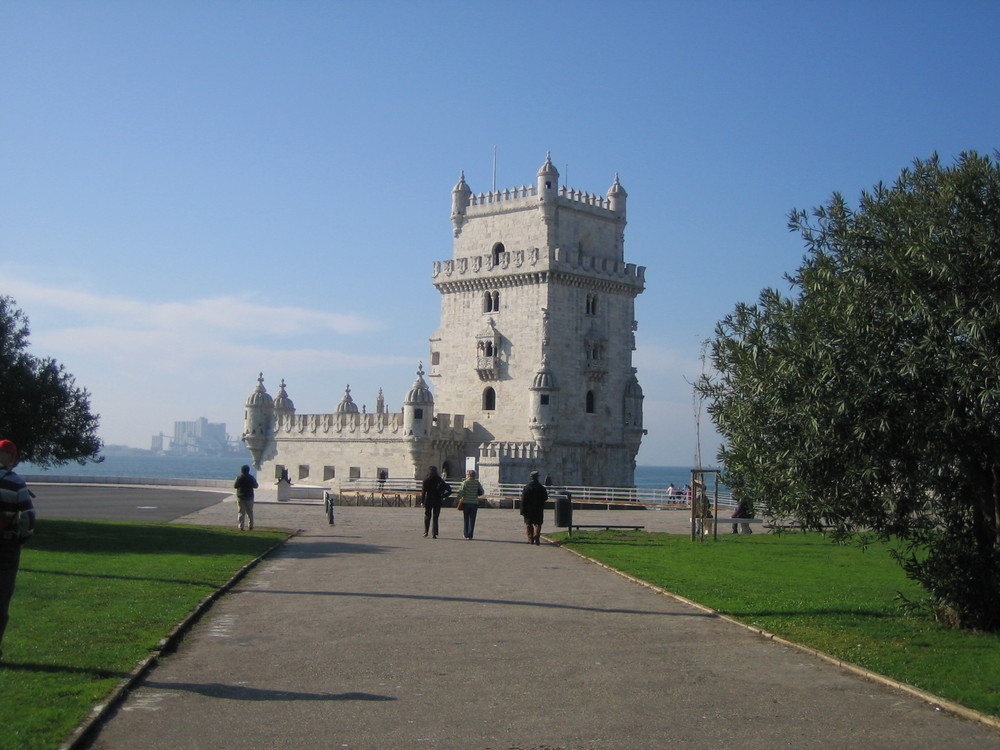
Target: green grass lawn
point(92, 600)
point(841, 600)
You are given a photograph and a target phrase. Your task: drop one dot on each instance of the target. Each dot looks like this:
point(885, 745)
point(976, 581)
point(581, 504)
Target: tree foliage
point(41, 408)
point(869, 399)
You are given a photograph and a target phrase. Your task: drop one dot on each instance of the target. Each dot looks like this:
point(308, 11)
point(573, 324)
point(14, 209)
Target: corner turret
point(258, 421)
point(461, 196)
point(544, 406)
point(616, 197)
point(418, 408)
point(548, 181)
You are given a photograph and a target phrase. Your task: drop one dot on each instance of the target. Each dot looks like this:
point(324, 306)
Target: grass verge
point(840, 600)
point(95, 598)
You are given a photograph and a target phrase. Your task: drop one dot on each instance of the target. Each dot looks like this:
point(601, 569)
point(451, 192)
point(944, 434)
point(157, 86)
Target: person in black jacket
point(433, 491)
point(533, 499)
point(17, 524)
point(245, 484)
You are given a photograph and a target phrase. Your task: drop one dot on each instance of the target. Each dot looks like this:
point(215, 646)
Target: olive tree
point(41, 408)
point(868, 398)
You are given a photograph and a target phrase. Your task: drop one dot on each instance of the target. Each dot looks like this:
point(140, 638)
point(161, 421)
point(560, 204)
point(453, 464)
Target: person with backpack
point(433, 491)
point(245, 484)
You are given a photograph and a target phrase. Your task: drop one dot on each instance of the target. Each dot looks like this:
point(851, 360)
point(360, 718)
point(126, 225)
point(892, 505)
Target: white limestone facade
point(531, 366)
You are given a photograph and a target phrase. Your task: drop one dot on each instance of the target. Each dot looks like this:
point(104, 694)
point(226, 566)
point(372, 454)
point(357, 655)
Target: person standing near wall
point(245, 484)
point(533, 499)
point(17, 524)
point(468, 501)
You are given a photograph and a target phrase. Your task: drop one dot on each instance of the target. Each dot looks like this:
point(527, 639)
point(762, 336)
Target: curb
point(81, 737)
point(936, 701)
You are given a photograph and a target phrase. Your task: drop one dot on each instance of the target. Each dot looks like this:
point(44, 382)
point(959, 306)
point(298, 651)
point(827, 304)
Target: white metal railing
point(640, 496)
point(619, 495)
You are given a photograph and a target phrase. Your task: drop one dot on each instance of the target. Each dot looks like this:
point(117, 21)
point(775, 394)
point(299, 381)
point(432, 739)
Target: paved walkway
point(367, 635)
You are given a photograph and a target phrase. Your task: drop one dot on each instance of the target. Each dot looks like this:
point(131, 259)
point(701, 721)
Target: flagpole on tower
point(494, 169)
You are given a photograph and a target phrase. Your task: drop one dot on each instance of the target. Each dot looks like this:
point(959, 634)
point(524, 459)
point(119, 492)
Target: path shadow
point(244, 693)
point(477, 600)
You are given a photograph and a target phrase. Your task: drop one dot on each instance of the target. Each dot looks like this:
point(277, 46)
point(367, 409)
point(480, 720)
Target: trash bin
point(564, 510)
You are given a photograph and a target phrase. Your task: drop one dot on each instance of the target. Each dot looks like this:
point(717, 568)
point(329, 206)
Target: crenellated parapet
point(446, 427)
point(489, 267)
point(518, 451)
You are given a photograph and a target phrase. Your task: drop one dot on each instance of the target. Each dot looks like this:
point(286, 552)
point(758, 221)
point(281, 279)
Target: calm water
point(213, 467)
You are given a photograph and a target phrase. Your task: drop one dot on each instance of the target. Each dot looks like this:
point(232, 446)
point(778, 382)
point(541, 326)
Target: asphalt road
point(103, 503)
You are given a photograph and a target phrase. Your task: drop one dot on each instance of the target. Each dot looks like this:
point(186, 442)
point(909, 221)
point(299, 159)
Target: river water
point(227, 467)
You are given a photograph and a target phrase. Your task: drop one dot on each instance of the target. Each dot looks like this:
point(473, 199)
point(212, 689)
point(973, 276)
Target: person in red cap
point(17, 524)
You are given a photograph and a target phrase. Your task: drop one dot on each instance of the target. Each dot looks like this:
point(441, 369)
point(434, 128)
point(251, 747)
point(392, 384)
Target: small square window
point(329, 472)
point(355, 472)
point(303, 471)
point(544, 398)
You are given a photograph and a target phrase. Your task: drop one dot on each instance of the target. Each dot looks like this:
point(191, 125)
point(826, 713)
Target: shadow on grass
point(100, 674)
point(243, 693)
point(183, 581)
point(117, 537)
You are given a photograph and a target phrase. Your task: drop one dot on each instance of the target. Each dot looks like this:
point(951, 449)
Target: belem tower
point(530, 369)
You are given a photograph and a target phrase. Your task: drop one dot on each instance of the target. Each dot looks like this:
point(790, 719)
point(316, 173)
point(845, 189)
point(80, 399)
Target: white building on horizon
point(531, 365)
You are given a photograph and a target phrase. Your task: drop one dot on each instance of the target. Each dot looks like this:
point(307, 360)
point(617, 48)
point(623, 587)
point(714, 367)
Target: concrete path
point(367, 635)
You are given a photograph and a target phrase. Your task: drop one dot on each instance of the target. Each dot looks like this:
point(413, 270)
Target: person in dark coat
point(433, 491)
point(533, 499)
point(743, 510)
point(245, 484)
point(17, 524)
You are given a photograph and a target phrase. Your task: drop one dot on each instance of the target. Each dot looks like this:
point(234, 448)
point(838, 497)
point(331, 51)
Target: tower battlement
point(520, 197)
point(489, 266)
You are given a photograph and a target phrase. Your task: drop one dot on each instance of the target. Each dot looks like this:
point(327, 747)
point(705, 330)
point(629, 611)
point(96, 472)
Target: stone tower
point(537, 332)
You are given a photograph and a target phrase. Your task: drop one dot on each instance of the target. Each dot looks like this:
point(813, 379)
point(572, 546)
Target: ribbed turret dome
point(281, 401)
point(419, 393)
point(545, 379)
point(347, 405)
point(616, 189)
point(548, 168)
point(632, 387)
point(260, 396)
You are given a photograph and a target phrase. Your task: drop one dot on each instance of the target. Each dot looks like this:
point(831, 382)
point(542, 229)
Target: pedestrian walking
point(245, 484)
point(468, 501)
point(17, 524)
point(533, 499)
point(433, 492)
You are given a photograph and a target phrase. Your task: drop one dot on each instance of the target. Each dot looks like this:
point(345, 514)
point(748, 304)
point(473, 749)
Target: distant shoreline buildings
point(197, 438)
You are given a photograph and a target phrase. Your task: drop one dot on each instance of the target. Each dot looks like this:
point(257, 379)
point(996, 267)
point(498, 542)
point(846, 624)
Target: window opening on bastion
point(590, 402)
point(498, 251)
point(591, 307)
point(489, 400)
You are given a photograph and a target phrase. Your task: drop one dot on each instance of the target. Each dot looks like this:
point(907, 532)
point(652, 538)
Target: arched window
point(489, 400)
point(491, 301)
point(590, 402)
point(498, 251)
point(591, 304)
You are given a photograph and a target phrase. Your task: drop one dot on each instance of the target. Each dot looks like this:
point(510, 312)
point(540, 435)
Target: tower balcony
point(488, 368)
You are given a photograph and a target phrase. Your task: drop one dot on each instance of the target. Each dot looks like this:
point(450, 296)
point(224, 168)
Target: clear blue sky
point(193, 192)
